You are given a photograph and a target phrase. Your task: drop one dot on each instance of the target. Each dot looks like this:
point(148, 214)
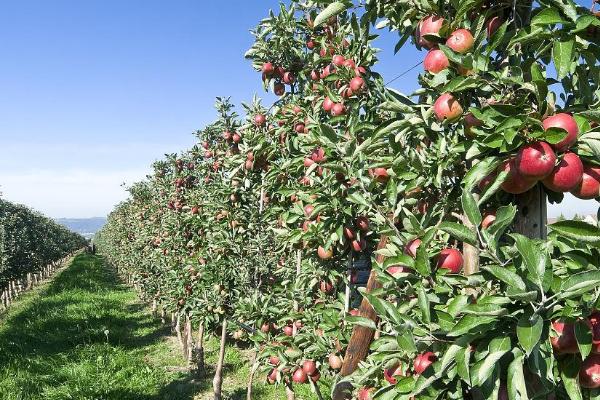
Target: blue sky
point(94, 91)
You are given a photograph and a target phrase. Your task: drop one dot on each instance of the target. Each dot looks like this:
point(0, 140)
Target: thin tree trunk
point(218, 379)
point(289, 392)
point(200, 350)
point(255, 366)
point(189, 337)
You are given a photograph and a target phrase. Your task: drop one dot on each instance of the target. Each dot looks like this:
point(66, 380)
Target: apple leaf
point(583, 334)
point(331, 10)
point(529, 331)
point(578, 230)
point(460, 232)
point(562, 54)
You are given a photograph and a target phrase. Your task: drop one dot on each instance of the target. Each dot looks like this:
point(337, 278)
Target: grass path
point(85, 336)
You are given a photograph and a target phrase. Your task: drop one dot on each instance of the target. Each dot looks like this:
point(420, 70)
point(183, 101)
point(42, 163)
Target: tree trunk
point(218, 380)
point(361, 338)
point(189, 339)
point(289, 392)
point(200, 350)
point(255, 366)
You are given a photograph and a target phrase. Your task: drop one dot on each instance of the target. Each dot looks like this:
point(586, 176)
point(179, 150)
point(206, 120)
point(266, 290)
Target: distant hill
point(84, 226)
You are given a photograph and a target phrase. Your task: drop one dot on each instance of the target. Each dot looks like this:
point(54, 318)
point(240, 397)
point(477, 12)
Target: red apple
point(566, 122)
point(493, 24)
point(335, 362)
point(450, 259)
point(288, 330)
point(589, 187)
point(488, 219)
point(515, 183)
point(268, 68)
point(328, 104)
point(564, 342)
point(435, 61)
point(535, 160)
point(308, 210)
point(338, 109)
point(260, 120)
point(362, 223)
point(365, 393)
point(566, 175)
point(338, 60)
point(315, 377)
point(471, 121)
point(309, 367)
point(357, 84)
point(318, 155)
point(308, 162)
point(594, 323)
point(299, 376)
point(411, 247)
point(446, 107)
point(272, 377)
point(349, 233)
point(430, 25)
point(359, 245)
point(393, 270)
point(279, 89)
point(350, 63)
point(326, 287)
point(423, 361)
point(236, 138)
point(390, 374)
point(314, 75)
point(274, 360)
point(380, 174)
point(289, 78)
point(324, 254)
point(461, 41)
point(589, 373)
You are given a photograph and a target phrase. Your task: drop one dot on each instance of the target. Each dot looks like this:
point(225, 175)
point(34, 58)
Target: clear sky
point(93, 91)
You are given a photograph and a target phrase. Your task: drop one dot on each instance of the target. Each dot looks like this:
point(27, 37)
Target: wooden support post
point(361, 338)
point(531, 220)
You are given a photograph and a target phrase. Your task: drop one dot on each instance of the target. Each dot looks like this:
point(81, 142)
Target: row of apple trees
point(30, 241)
point(258, 228)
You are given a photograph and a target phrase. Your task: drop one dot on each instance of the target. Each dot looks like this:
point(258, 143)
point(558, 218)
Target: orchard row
point(265, 229)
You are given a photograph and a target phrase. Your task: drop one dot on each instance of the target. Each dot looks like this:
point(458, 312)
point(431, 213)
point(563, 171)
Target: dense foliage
point(262, 222)
point(30, 241)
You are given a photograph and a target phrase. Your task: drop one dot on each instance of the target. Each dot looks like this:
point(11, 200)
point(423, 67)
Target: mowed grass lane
point(85, 336)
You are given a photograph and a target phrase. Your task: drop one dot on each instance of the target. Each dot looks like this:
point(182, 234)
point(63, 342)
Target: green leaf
point(331, 10)
point(470, 208)
point(579, 283)
point(463, 358)
point(583, 334)
point(554, 135)
point(562, 54)
point(424, 305)
point(547, 16)
point(569, 372)
point(517, 389)
point(577, 230)
point(529, 331)
point(505, 275)
point(533, 257)
point(468, 324)
point(479, 171)
point(483, 369)
point(362, 321)
point(460, 232)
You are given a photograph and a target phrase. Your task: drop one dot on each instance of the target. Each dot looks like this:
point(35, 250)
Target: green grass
point(85, 336)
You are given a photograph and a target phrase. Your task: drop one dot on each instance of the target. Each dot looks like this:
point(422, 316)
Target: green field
point(85, 336)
